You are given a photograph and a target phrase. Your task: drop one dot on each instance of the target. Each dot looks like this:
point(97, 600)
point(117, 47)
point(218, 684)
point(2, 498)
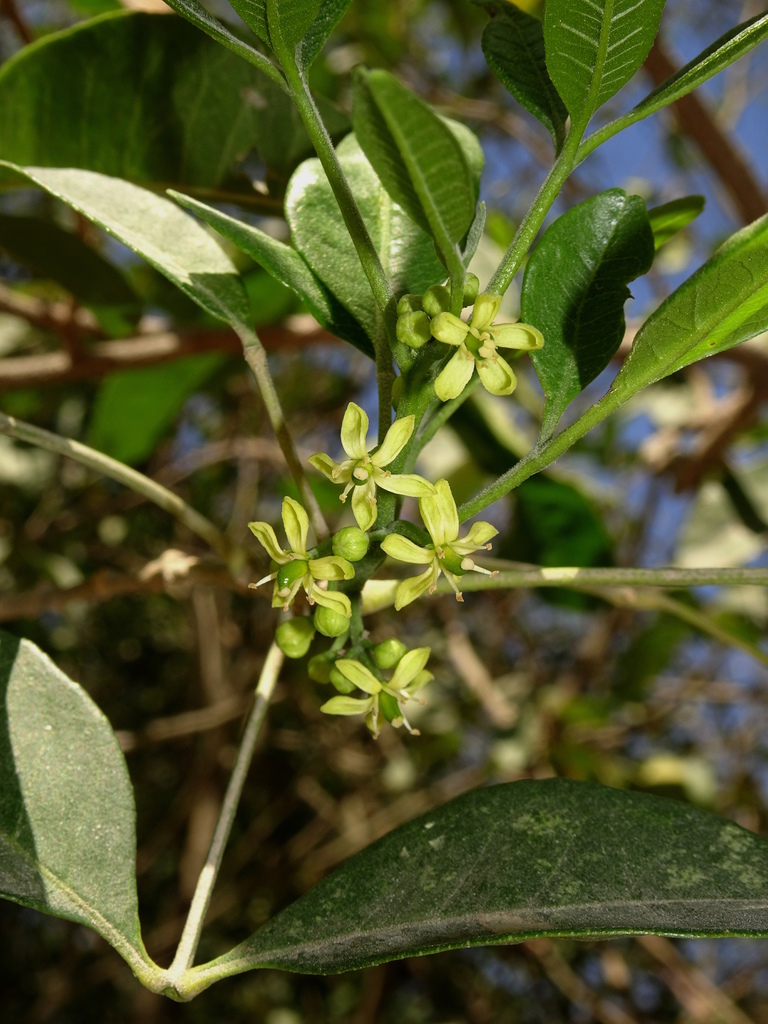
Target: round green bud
point(341, 682)
point(330, 622)
point(471, 289)
point(389, 707)
point(294, 636)
point(319, 669)
point(437, 299)
point(413, 329)
point(409, 304)
point(389, 652)
point(351, 543)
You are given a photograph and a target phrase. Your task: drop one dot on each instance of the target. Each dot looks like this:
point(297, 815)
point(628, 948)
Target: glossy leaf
point(419, 160)
point(574, 291)
point(506, 863)
point(513, 44)
point(669, 218)
point(155, 228)
point(724, 303)
point(67, 816)
point(171, 106)
point(54, 254)
point(286, 266)
point(133, 409)
point(328, 16)
point(594, 47)
point(319, 233)
point(289, 21)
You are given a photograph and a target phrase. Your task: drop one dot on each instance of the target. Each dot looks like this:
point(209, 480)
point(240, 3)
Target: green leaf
point(286, 266)
point(594, 47)
point(319, 233)
point(155, 228)
point(574, 291)
point(329, 15)
point(150, 99)
point(513, 44)
point(67, 816)
point(417, 156)
point(57, 255)
point(254, 14)
point(506, 863)
point(669, 218)
point(288, 22)
point(134, 409)
point(724, 303)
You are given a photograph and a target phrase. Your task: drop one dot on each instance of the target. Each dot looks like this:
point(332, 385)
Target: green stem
point(366, 251)
point(571, 576)
point(540, 457)
point(131, 478)
point(256, 357)
point(193, 927)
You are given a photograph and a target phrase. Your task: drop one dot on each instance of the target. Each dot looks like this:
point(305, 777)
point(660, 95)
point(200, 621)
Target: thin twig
point(193, 927)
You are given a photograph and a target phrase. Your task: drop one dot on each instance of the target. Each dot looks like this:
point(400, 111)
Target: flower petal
point(403, 483)
point(332, 567)
point(397, 437)
point(478, 536)
point(332, 599)
point(408, 590)
point(354, 431)
point(497, 376)
point(266, 536)
point(296, 525)
point(364, 504)
point(347, 706)
point(409, 667)
point(521, 336)
point(448, 328)
point(455, 376)
point(324, 464)
point(358, 674)
point(485, 309)
point(439, 513)
point(405, 550)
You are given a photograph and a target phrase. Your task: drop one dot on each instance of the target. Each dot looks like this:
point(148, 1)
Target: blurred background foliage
point(95, 345)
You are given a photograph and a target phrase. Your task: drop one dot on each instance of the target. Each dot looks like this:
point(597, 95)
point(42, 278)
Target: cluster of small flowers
point(424, 317)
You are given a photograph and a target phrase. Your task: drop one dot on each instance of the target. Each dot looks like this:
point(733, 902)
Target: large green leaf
point(510, 862)
point(67, 816)
point(319, 233)
point(254, 14)
point(594, 47)
point(328, 16)
point(288, 21)
point(724, 303)
point(723, 52)
point(146, 98)
point(135, 408)
point(57, 255)
point(669, 218)
point(513, 44)
point(419, 159)
point(574, 291)
point(155, 228)
point(286, 266)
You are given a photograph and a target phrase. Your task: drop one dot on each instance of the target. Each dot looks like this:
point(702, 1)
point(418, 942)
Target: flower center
point(289, 573)
point(451, 561)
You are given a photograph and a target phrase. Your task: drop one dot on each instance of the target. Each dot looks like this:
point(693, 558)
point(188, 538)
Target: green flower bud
point(389, 652)
point(294, 636)
point(409, 304)
point(471, 289)
point(319, 668)
point(389, 707)
point(413, 329)
point(341, 683)
point(437, 299)
point(329, 622)
point(351, 543)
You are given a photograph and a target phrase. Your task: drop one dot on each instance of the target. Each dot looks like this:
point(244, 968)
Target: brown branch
point(12, 13)
point(717, 147)
point(148, 350)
